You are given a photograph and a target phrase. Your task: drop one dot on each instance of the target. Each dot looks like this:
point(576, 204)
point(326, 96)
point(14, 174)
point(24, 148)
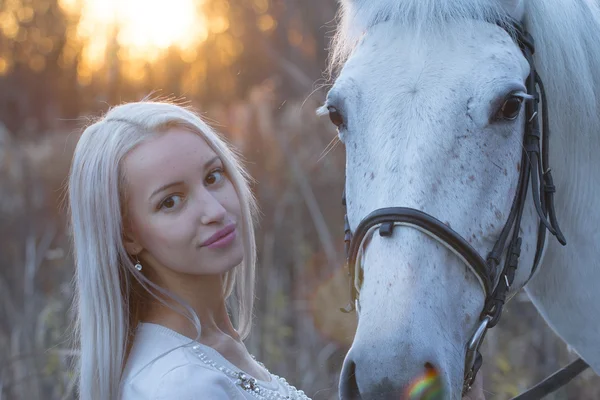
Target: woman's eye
point(214, 177)
point(171, 202)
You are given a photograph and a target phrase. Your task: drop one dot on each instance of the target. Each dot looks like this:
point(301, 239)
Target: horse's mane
point(566, 33)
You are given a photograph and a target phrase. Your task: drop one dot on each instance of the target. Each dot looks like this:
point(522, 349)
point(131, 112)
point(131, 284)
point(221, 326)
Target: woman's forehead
point(167, 157)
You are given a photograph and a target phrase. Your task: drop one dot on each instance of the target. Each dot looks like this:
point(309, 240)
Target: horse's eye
point(335, 116)
point(511, 108)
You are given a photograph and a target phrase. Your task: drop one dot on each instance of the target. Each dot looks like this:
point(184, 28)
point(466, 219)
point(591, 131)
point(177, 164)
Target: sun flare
point(142, 28)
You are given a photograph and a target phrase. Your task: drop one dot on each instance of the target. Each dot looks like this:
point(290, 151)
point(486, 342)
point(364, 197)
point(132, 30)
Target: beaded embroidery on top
point(250, 384)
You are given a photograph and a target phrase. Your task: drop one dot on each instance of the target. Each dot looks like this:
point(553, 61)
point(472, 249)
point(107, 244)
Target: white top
point(164, 364)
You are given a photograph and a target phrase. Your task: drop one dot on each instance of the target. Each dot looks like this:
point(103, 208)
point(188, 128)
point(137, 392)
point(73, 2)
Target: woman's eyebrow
point(164, 187)
point(169, 185)
point(211, 162)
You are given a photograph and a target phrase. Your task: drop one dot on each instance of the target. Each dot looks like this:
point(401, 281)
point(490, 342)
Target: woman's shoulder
point(154, 349)
point(161, 366)
point(185, 381)
point(166, 365)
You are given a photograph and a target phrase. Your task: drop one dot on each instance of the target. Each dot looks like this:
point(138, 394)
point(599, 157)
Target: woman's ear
point(132, 246)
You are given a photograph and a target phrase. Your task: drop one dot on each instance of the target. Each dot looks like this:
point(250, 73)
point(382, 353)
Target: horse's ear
point(516, 8)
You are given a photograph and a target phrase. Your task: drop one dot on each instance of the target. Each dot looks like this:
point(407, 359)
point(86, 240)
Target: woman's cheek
point(175, 232)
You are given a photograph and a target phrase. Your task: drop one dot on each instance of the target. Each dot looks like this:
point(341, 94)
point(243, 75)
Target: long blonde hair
point(106, 311)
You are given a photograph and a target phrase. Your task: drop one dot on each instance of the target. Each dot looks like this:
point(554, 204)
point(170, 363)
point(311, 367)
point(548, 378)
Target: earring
point(138, 266)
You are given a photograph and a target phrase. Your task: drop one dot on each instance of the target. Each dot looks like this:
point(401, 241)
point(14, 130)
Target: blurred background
point(254, 69)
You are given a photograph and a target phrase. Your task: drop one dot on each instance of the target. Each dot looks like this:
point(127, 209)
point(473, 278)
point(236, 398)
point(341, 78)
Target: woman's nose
point(212, 211)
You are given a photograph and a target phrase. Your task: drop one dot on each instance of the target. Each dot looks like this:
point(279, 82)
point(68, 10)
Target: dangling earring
point(138, 266)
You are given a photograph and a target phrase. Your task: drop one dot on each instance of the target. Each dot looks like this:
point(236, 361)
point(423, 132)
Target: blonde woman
point(162, 220)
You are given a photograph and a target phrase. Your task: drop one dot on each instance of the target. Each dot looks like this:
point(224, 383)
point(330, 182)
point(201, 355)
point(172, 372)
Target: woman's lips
point(222, 238)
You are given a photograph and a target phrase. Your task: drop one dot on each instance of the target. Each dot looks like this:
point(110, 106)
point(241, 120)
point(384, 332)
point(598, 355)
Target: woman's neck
point(205, 295)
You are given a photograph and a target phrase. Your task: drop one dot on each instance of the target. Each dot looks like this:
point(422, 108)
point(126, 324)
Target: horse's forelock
point(357, 16)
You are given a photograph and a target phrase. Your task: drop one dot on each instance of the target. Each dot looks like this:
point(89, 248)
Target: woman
point(162, 220)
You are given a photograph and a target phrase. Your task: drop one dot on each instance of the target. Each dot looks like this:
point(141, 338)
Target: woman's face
point(184, 215)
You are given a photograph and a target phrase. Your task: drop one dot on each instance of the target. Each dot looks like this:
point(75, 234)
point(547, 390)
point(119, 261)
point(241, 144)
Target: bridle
point(495, 282)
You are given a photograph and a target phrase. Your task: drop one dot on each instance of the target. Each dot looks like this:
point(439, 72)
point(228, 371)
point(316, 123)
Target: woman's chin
point(221, 265)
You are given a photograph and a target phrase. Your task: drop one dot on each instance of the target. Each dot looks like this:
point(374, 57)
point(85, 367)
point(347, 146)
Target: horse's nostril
point(421, 382)
point(348, 386)
point(426, 386)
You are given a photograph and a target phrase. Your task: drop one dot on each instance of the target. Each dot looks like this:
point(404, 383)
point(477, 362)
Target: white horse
point(423, 101)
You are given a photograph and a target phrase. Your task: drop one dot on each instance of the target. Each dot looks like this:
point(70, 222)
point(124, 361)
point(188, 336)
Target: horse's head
point(432, 119)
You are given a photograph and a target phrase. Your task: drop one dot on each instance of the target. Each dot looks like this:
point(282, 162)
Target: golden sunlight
point(141, 28)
